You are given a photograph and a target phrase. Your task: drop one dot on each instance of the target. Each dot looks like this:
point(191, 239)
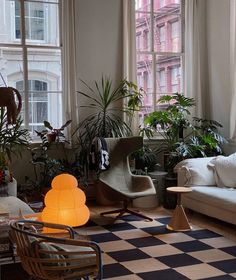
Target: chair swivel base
point(124, 210)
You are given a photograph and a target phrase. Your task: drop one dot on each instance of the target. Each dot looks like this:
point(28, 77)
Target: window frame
point(155, 53)
point(26, 45)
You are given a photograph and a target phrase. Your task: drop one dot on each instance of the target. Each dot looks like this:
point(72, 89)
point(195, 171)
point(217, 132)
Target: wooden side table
point(179, 221)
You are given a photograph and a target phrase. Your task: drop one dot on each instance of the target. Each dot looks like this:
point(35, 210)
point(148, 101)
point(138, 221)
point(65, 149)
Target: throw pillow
point(224, 168)
point(196, 171)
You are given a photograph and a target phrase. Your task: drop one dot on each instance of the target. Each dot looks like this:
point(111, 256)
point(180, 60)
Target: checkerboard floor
point(135, 249)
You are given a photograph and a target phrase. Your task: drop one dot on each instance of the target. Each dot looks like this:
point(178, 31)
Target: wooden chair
point(50, 257)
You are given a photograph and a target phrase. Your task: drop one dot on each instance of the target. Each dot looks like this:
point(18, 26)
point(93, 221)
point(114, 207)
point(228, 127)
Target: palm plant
point(105, 119)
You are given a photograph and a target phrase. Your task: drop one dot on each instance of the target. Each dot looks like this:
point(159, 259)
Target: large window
point(160, 59)
point(30, 58)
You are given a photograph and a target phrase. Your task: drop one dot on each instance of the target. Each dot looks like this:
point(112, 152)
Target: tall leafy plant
point(13, 138)
point(107, 103)
point(183, 136)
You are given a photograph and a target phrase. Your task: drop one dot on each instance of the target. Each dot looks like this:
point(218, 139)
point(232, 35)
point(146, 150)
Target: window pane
point(167, 36)
point(143, 38)
point(166, 6)
point(11, 65)
point(45, 88)
point(9, 21)
point(169, 75)
point(145, 80)
point(41, 23)
point(143, 5)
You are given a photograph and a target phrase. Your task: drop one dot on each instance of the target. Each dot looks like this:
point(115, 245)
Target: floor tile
point(178, 260)
point(191, 246)
point(230, 250)
point(211, 255)
point(144, 265)
point(202, 233)
point(128, 255)
point(118, 245)
point(104, 237)
point(166, 274)
point(145, 241)
point(199, 271)
point(218, 242)
point(126, 277)
point(175, 237)
point(115, 270)
point(106, 259)
point(133, 233)
point(228, 266)
point(161, 250)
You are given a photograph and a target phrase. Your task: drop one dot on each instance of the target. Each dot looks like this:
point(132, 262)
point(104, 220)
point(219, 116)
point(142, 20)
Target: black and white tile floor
point(136, 249)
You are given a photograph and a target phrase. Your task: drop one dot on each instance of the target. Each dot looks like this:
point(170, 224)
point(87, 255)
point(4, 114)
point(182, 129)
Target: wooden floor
point(15, 272)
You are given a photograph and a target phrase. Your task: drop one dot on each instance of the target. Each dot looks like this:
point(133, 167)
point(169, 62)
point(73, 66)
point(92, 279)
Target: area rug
point(136, 249)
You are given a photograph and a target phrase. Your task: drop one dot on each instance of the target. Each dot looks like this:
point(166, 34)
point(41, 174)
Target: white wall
point(218, 32)
point(99, 41)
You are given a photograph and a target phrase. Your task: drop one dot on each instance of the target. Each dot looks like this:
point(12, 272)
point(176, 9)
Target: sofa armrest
point(195, 171)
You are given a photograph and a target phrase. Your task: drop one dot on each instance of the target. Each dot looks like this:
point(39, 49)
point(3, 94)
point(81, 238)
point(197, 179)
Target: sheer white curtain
point(195, 55)
point(129, 50)
point(233, 69)
point(69, 98)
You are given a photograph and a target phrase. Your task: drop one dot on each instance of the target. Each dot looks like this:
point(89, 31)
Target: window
point(38, 103)
point(162, 61)
point(161, 82)
point(175, 79)
point(30, 58)
point(175, 36)
point(162, 38)
point(34, 20)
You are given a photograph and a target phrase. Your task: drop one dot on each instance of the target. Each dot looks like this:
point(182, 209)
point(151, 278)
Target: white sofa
point(213, 183)
point(13, 205)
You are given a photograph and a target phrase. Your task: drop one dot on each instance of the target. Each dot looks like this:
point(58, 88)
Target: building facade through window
point(159, 49)
point(30, 58)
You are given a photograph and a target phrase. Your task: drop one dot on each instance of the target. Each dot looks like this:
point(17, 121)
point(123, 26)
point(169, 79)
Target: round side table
point(179, 221)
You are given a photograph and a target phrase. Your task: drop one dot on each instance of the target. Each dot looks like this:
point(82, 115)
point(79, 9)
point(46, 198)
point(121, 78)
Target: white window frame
point(24, 46)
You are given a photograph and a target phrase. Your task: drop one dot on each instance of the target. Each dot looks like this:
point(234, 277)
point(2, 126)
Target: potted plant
point(105, 119)
point(183, 136)
point(170, 124)
point(50, 134)
point(47, 163)
point(13, 139)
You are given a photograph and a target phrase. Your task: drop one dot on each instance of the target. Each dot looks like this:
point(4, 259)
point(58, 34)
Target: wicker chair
point(50, 257)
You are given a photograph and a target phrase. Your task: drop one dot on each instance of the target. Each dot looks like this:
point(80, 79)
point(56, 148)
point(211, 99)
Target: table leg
point(179, 220)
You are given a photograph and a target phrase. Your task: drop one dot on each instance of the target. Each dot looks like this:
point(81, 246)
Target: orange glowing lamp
point(65, 202)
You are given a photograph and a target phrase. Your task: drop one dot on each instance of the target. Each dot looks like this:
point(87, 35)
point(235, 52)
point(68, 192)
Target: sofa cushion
point(196, 171)
point(224, 168)
point(221, 198)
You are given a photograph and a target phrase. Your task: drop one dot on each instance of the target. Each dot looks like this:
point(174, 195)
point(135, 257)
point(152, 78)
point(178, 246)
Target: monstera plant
point(183, 136)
